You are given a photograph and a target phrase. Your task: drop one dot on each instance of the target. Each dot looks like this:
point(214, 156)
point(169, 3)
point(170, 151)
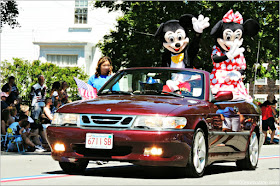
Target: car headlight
point(62, 118)
point(160, 122)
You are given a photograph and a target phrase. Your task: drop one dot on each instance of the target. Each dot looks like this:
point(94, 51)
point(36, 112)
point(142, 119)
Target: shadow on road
point(24, 153)
point(134, 171)
point(273, 168)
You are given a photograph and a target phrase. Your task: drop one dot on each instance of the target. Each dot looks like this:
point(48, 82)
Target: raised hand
point(234, 49)
point(200, 24)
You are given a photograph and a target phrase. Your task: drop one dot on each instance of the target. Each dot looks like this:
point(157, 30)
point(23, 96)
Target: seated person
point(47, 115)
point(34, 136)
point(19, 129)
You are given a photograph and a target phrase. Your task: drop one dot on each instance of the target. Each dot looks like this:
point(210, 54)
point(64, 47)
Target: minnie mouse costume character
point(228, 59)
point(174, 35)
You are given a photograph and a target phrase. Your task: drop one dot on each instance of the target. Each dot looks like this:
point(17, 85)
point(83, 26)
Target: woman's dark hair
point(100, 62)
point(56, 85)
point(264, 104)
point(63, 82)
point(11, 77)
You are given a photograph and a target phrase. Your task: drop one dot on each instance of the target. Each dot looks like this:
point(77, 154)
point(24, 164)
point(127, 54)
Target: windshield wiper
point(173, 94)
point(118, 92)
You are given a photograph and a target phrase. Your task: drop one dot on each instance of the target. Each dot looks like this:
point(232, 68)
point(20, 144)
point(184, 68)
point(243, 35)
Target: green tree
point(26, 74)
point(133, 44)
point(9, 13)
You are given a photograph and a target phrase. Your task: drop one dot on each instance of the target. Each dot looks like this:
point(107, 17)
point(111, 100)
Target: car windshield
point(167, 82)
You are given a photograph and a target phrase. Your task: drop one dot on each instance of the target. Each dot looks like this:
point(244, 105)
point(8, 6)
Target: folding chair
point(12, 140)
point(3, 142)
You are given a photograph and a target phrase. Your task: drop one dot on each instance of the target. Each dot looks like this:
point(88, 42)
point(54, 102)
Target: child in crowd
point(19, 128)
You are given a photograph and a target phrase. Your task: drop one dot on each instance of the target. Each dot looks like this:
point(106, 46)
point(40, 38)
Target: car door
point(220, 141)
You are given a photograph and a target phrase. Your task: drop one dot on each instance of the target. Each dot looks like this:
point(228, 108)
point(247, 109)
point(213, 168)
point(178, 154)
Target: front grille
point(105, 119)
point(94, 120)
point(105, 153)
point(127, 120)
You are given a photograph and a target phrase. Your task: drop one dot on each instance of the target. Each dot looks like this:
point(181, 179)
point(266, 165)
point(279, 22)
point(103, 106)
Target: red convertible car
point(156, 117)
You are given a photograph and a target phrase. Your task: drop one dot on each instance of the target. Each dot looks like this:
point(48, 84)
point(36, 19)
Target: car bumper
point(128, 145)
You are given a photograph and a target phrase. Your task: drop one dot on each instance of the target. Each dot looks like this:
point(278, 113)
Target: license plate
point(99, 141)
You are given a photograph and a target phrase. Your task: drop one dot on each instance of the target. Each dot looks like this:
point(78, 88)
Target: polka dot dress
point(226, 77)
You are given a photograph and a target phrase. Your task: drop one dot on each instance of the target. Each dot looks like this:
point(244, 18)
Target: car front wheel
point(252, 154)
point(198, 157)
point(74, 168)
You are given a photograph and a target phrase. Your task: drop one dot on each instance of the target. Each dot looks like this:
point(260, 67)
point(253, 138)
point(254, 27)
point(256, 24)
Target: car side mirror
point(223, 96)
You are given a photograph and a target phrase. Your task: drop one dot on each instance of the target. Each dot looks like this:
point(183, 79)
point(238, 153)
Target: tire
point(250, 161)
point(198, 156)
point(74, 168)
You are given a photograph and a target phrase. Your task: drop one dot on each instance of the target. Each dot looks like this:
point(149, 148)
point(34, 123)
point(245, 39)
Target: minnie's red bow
point(233, 17)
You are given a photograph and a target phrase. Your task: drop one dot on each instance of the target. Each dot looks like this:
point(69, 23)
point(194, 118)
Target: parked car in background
point(147, 123)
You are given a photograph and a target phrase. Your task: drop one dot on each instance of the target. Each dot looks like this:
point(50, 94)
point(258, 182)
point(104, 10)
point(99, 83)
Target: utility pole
point(256, 67)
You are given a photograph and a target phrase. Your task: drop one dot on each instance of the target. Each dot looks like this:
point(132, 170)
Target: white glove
point(235, 50)
point(172, 85)
point(200, 24)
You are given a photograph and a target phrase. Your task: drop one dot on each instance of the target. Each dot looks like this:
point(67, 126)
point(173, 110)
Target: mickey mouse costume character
point(228, 59)
point(178, 52)
point(174, 35)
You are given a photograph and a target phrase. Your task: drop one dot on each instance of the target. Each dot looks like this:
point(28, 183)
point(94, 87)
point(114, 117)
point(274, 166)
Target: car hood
point(128, 105)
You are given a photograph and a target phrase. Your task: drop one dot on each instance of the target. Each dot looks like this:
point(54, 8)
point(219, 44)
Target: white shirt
point(37, 97)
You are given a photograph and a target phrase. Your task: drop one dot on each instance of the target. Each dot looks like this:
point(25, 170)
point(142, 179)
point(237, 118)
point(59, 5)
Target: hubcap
point(254, 149)
point(199, 152)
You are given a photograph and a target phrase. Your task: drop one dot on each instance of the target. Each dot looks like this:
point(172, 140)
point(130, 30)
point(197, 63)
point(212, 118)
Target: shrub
point(26, 74)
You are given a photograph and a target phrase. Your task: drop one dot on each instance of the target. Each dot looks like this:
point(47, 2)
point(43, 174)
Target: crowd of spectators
point(31, 127)
point(28, 123)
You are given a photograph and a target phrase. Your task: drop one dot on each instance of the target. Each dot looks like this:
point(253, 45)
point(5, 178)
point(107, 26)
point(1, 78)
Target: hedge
point(26, 73)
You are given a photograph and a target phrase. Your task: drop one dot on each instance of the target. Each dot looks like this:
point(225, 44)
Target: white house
point(61, 32)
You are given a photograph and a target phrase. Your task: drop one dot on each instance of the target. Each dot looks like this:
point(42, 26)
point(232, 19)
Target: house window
point(262, 81)
point(261, 97)
point(81, 11)
point(63, 60)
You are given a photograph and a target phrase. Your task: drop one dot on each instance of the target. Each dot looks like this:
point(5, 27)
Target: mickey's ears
point(186, 21)
point(217, 28)
point(251, 27)
point(159, 30)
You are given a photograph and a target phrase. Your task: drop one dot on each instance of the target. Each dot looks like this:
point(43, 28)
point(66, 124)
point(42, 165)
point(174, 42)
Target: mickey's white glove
point(172, 85)
point(235, 50)
point(200, 24)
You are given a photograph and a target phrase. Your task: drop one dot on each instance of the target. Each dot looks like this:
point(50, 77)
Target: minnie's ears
point(186, 21)
point(159, 30)
point(217, 28)
point(251, 27)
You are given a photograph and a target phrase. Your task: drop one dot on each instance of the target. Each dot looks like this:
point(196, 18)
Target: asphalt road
point(41, 169)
